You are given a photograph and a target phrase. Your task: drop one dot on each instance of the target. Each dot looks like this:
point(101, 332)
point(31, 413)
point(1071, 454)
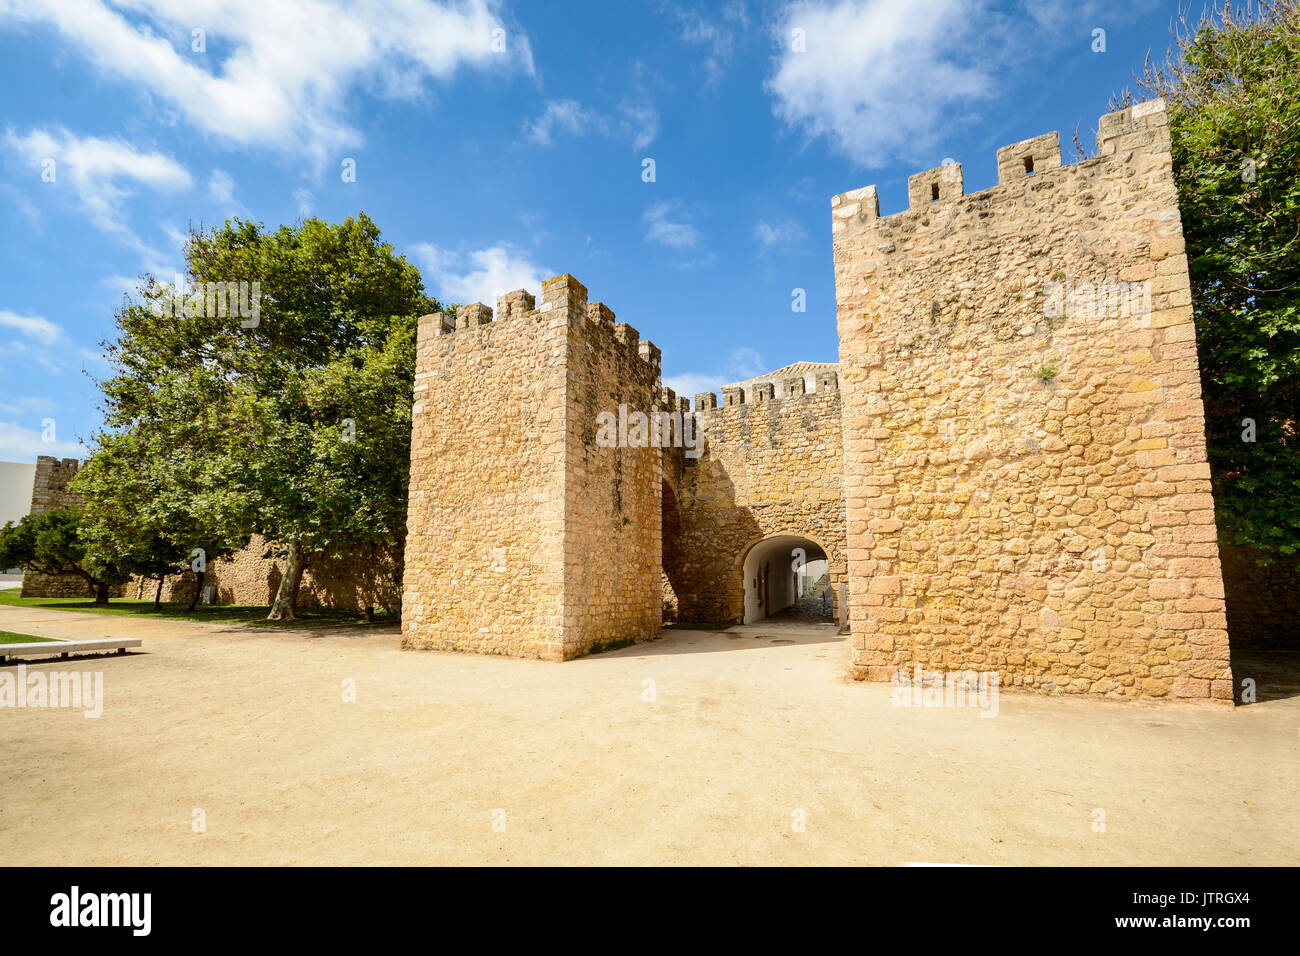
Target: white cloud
point(785, 233)
point(690, 384)
point(26, 405)
point(637, 119)
point(742, 364)
point(640, 120)
point(717, 38)
point(33, 326)
point(99, 171)
point(43, 343)
point(879, 78)
point(24, 354)
point(279, 75)
point(305, 201)
point(25, 444)
point(221, 187)
point(566, 116)
point(478, 275)
point(668, 226)
point(221, 190)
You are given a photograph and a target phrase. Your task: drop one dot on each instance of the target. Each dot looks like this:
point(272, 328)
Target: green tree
point(49, 543)
point(292, 423)
point(1232, 86)
point(140, 514)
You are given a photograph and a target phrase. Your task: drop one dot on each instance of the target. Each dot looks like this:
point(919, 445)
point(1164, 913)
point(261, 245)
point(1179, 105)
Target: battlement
point(763, 393)
point(561, 293)
point(1134, 128)
point(50, 485)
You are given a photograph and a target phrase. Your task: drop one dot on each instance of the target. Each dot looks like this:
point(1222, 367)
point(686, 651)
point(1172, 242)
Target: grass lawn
point(9, 637)
point(250, 615)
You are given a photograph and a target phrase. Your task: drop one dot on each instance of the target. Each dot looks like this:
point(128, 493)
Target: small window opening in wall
point(1029, 165)
point(934, 192)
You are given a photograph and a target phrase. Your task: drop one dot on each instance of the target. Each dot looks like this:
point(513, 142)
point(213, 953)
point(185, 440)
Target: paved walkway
point(744, 746)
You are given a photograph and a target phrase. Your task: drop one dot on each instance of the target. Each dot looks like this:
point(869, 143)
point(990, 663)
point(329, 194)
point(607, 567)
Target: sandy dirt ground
point(741, 747)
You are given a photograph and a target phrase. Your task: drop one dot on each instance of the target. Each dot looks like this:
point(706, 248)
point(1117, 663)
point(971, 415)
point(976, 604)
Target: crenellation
point(854, 208)
point(1024, 437)
point(515, 305)
point(473, 315)
point(1029, 157)
point(1006, 468)
point(599, 314)
point(940, 184)
point(1136, 128)
point(436, 323)
point(626, 334)
point(650, 354)
point(564, 291)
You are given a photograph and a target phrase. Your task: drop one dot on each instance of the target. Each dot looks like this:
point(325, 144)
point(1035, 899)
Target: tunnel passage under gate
point(787, 576)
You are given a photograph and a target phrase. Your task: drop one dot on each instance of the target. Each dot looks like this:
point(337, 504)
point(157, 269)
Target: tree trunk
point(198, 588)
point(101, 593)
point(157, 595)
point(286, 596)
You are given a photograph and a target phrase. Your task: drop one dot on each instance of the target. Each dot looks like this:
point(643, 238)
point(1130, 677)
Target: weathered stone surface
point(1003, 356)
point(525, 536)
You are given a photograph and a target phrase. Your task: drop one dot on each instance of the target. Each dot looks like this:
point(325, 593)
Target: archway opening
point(787, 577)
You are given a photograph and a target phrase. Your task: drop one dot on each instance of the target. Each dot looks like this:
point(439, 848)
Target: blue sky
point(497, 144)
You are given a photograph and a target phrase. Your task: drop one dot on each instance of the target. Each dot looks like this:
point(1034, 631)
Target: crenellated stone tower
point(525, 536)
point(1025, 472)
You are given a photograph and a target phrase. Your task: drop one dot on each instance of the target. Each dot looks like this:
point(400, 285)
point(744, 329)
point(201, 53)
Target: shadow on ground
point(1276, 674)
point(741, 637)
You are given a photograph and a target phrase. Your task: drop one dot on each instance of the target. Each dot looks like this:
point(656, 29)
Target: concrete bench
point(64, 648)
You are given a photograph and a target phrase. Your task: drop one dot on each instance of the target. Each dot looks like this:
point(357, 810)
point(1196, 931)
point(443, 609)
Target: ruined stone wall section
point(770, 466)
point(251, 576)
point(1024, 453)
point(51, 488)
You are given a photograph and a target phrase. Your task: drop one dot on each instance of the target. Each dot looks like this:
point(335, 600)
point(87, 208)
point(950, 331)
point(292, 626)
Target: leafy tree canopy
point(292, 422)
point(1233, 91)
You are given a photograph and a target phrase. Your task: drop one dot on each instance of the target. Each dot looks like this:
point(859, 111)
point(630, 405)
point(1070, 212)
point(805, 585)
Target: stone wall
point(525, 536)
point(51, 488)
point(252, 576)
point(613, 489)
point(1024, 454)
point(771, 466)
point(249, 576)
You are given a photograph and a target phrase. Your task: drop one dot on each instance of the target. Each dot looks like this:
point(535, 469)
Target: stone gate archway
point(778, 572)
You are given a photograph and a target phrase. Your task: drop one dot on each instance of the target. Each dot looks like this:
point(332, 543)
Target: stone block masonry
point(771, 466)
point(51, 489)
point(249, 576)
point(525, 536)
point(1025, 476)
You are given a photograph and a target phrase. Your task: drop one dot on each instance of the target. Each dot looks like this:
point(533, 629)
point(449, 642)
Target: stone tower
point(1025, 471)
point(51, 488)
point(525, 535)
